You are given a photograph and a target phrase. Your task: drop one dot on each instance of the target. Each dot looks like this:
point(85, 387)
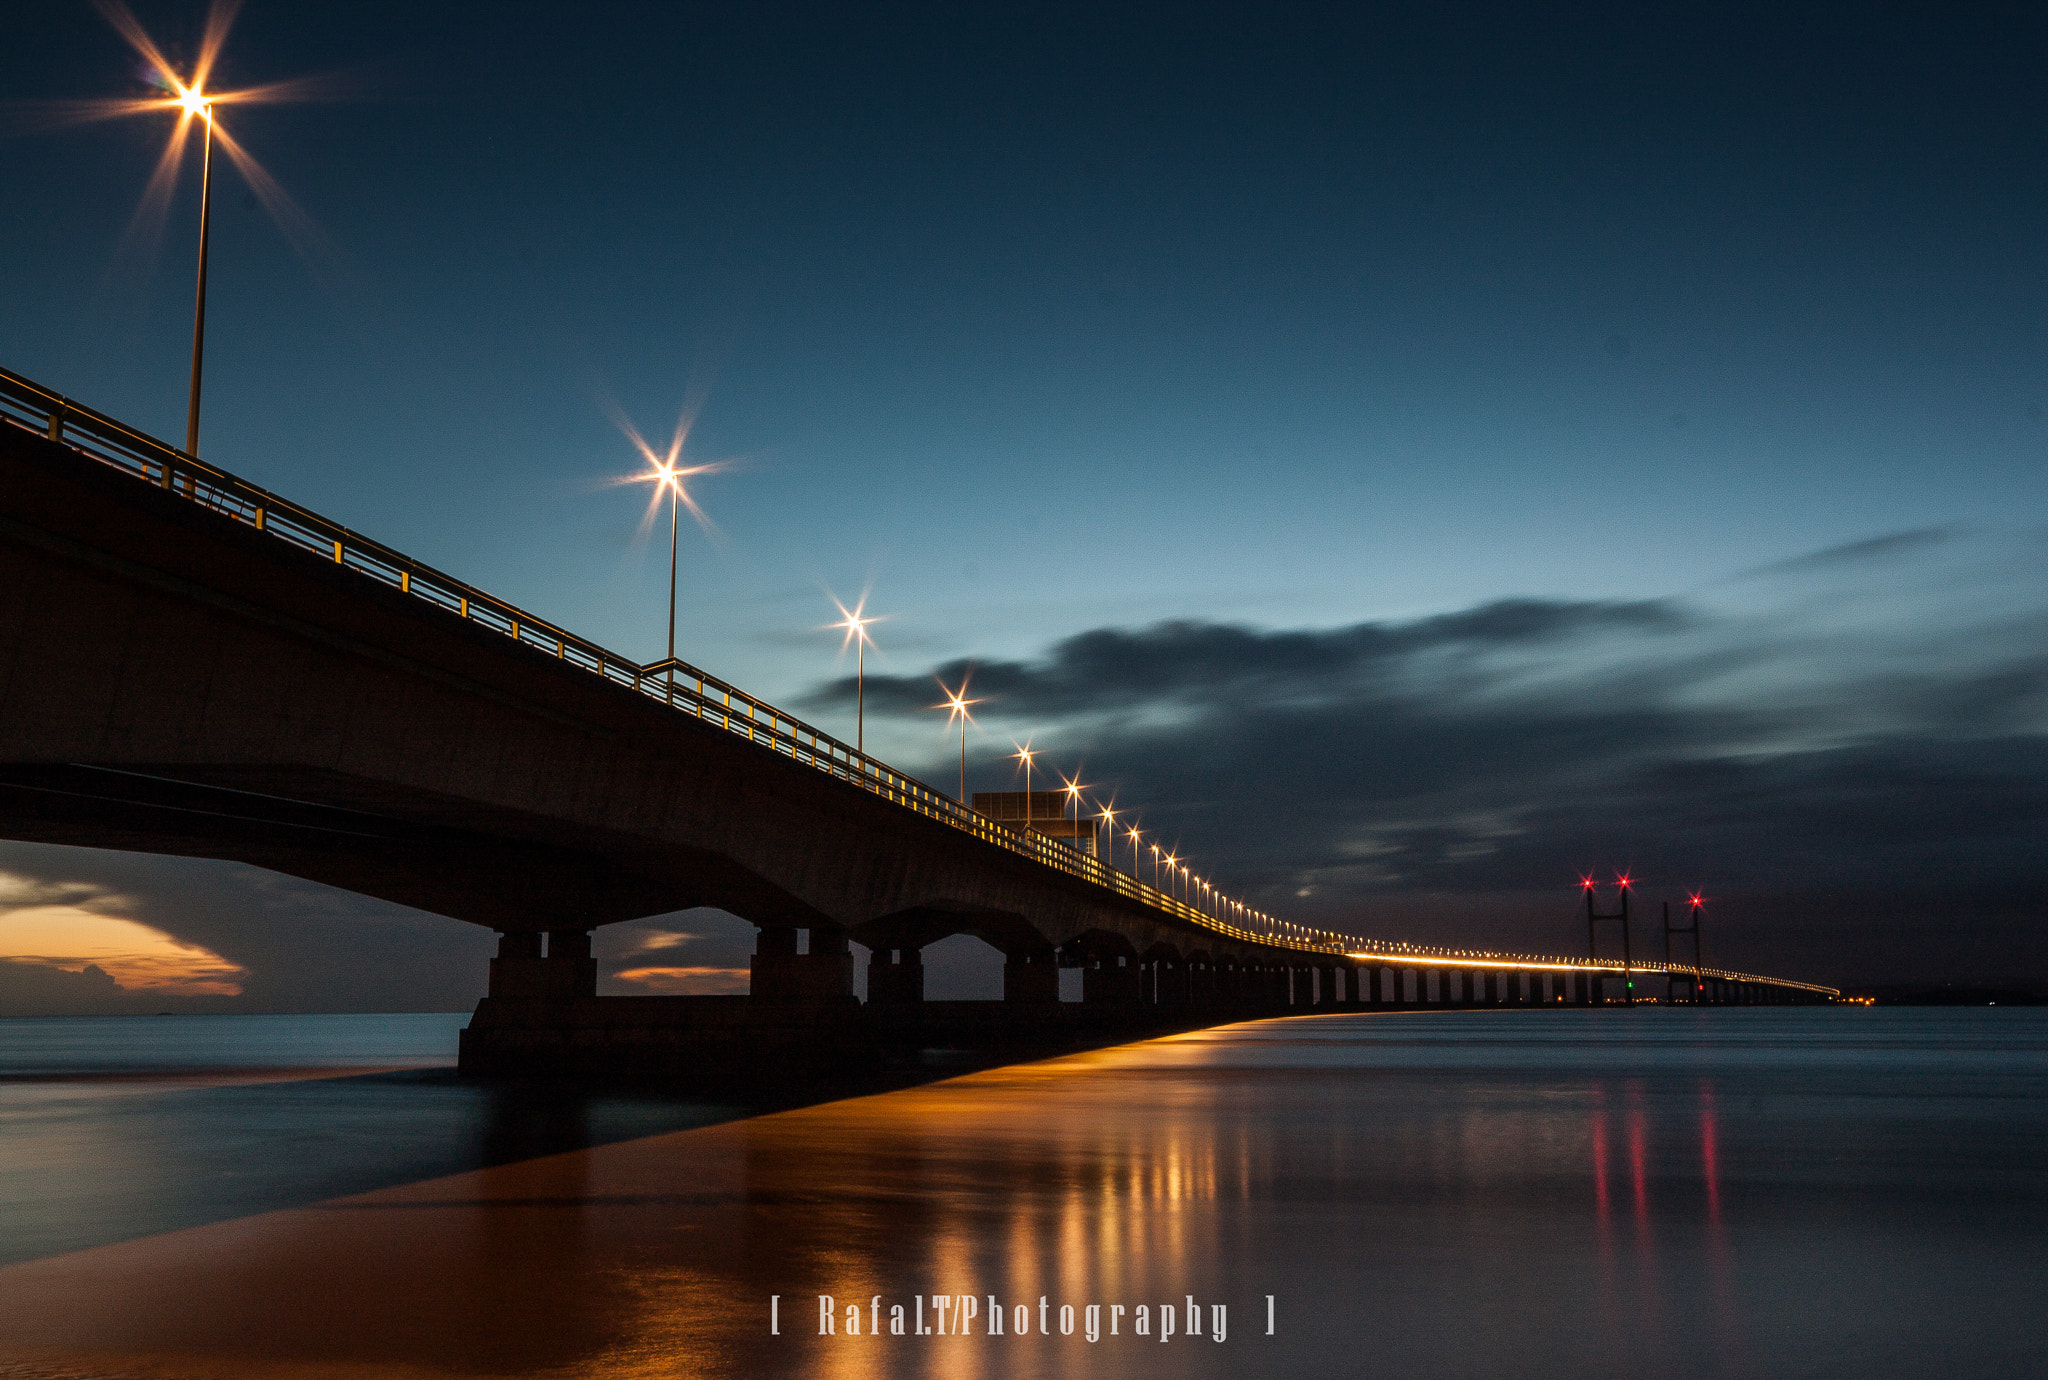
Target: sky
point(1413, 455)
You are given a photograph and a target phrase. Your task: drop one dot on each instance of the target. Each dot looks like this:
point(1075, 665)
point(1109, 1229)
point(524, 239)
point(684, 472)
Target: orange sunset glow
point(61, 932)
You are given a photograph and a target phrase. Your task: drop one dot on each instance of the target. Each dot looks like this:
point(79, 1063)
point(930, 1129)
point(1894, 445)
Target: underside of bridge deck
point(176, 679)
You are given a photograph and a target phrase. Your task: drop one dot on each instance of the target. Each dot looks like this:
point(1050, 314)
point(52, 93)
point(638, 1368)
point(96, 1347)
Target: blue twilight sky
point(1415, 452)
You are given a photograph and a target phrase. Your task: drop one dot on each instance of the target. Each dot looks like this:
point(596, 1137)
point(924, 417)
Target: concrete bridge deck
point(192, 665)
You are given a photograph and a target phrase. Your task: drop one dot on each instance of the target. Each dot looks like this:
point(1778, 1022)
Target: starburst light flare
point(956, 707)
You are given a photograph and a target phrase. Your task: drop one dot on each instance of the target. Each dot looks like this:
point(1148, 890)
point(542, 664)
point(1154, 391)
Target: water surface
point(1724, 1192)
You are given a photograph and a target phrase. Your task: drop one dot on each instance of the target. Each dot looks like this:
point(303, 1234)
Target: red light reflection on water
point(1600, 1164)
point(1710, 1153)
point(1638, 1176)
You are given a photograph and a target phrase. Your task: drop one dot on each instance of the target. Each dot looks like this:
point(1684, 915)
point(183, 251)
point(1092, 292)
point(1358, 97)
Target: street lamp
point(193, 101)
point(1072, 787)
point(196, 104)
point(1025, 755)
point(1107, 814)
point(1134, 836)
point(956, 708)
point(856, 625)
point(666, 472)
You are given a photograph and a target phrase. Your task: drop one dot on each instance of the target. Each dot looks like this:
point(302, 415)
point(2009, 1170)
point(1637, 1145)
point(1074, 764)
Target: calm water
point(1564, 1193)
point(116, 1127)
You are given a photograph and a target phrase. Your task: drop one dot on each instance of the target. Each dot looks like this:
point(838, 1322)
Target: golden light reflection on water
point(1226, 1166)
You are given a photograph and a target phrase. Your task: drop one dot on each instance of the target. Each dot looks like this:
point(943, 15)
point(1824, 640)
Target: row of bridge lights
point(1170, 873)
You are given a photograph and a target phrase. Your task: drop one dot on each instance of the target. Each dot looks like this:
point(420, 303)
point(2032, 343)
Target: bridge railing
point(681, 687)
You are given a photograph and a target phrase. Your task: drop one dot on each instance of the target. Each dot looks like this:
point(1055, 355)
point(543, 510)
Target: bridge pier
point(778, 973)
point(1031, 979)
point(565, 972)
point(1107, 981)
point(896, 977)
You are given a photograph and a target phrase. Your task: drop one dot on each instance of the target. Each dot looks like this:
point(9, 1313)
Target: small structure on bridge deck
point(1047, 814)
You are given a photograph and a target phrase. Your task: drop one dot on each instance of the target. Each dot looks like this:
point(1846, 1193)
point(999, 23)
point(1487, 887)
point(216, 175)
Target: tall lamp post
point(956, 708)
point(665, 472)
point(1025, 755)
point(198, 105)
point(1072, 786)
point(193, 101)
point(856, 626)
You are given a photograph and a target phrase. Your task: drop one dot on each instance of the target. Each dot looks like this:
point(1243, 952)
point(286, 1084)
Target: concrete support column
point(518, 970)
point(780, 974)
point(896, 977)
point(565, 972)
point(1031, 979)
point(575, 971)
point(1103, 981)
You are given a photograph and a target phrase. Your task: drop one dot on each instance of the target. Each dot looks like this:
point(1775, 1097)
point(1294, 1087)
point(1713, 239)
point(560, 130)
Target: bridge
point(192, 665)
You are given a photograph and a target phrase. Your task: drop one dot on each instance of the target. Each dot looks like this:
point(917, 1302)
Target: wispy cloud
point(1889, 727)
point(68, 926)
